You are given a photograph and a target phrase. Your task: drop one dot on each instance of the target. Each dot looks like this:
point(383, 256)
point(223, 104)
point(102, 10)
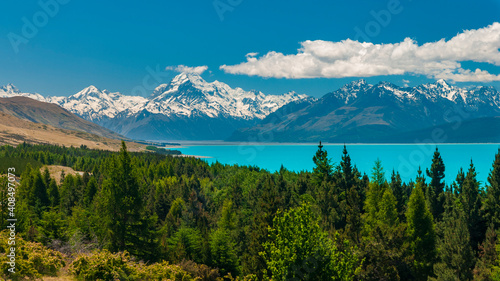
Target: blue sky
point(117, 45)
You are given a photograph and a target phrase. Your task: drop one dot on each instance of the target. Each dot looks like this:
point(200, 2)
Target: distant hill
point(51, 114)
point(14, 130)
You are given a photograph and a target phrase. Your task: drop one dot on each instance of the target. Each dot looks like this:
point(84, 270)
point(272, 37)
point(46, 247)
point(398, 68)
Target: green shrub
point(104, 265)
point(162, 271)
point(33, 260)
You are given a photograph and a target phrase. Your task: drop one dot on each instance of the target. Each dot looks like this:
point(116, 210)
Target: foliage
point(213, 220)
point(161, 150)
point(300, 250)
point(32, 260)
point(456, 258)
point(421, 235)
point(104, 265)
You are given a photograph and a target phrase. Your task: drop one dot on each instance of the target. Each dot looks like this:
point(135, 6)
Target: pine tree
point(421, 233)
point(388, 213)
point(436, 173)
point(378, 174)
point(348, 178)
point(459, 180)
point(396, 186)
point(90, 191)
point(492, 202)
point(53, 193)
point(267, 204)
point(323, 170)
point(41, 197)
point(354, 192)
point(298, 249)
point(487, 256)
point(471, 203)
point(455, 252)
point(374, 196)
point(46, 177)
point(121, 203)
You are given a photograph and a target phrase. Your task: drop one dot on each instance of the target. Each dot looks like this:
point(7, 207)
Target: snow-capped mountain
point(186, 99)
point(95, 105)
point(188, 94)
point(191, 108)
point(384, 112)
point(11, 91)
point(471, 96)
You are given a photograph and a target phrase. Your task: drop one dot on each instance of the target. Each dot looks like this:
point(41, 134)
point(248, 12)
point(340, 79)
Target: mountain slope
point(360, 112)
point(51, 114)
point(186, 108)
point(14, 131)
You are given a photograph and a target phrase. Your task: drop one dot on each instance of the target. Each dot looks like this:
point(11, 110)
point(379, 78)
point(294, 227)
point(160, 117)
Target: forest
point(150, 216)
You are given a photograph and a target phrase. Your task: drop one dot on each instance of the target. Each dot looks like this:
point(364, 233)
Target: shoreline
point(194, 156)
point(187, 145)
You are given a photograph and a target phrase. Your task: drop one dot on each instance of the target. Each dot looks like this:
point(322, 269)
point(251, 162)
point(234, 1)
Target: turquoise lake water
point(405, 158)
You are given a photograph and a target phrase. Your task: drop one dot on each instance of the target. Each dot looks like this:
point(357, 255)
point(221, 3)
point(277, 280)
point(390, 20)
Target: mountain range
point(190, 108)
point(186, 108)
point(386, 113)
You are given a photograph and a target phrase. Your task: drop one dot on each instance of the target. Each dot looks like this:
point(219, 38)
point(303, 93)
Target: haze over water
point(405, 158)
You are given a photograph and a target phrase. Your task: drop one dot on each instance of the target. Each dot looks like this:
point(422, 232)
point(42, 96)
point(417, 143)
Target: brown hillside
point(51, 114)
point(14, 130)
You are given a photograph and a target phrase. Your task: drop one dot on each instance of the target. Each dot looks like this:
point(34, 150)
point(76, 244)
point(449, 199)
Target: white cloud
point(350, 58)
point(188, 69)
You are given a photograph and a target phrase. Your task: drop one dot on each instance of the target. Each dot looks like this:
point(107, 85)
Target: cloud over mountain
point(188, 69)
point(349, 58)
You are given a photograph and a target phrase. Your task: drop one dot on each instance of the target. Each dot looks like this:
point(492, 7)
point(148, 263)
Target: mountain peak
point(10, 88)
point(184, 77)
point(441, 82)
point(92, 88)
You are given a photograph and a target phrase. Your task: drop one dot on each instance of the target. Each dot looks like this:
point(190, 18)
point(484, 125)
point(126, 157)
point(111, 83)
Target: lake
point(405, 158)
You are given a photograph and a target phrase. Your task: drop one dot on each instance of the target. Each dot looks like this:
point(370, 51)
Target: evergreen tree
point(471, 203)
point(121, 203)
point(378, 174)
point(436, 196)
point(354, 192)
point(222, 244)
point(348, 177)
point(487, 257)
point(492, 202)
point(41, 197)
point(374, 197)
point(53, 193)
point(396, 186)
point(90, 191)
point(323, 169)
point(421, 233)
point(266, 205)
point(388, 213)
point(299, 250)
point(456, 258)
point(459, 180)
point(46, 177)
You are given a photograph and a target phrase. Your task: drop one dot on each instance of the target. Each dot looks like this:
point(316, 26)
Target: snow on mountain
point(470, 97)
point(11, 91)
point(189, 94)
point(351, 90)
point(94, 104)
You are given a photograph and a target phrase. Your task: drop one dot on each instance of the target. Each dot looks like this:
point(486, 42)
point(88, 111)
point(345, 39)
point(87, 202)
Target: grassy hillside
point(51, 114)
point(14, 130)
